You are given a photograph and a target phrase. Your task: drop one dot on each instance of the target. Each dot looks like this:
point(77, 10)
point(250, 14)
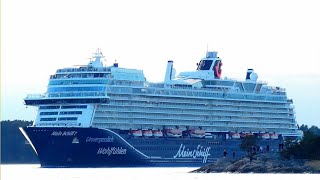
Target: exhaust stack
point(169, 72)
point(249, 71)
point(251, 75)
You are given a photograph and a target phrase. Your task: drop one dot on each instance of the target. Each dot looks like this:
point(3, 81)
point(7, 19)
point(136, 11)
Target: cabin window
point(204, 65)
point(67, 119)
point(48, 119)
point(49, 107)
point(74, 107)
point(70, 112)
point(49, 113)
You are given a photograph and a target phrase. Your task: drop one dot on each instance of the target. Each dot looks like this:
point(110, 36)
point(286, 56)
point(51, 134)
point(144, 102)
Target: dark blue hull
point(93, 147)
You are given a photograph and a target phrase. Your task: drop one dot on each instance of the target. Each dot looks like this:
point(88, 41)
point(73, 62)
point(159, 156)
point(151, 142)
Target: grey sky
point(279, 39)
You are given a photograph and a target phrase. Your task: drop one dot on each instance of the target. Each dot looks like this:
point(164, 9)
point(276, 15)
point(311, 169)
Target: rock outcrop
point(261, 163)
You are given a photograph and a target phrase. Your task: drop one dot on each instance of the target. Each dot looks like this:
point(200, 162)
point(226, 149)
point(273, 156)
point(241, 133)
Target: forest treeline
point(307, 148)
point(15, 149)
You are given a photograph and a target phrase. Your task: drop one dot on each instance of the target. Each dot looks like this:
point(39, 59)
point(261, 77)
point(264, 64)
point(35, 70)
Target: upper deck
point(121, 98)
point(94, 80)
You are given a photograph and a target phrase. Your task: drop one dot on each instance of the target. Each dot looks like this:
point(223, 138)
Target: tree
point(303, 127)
point(247, 143)
point(315, 130)
point(307, 148)
point(310, 145)
point(291, 148)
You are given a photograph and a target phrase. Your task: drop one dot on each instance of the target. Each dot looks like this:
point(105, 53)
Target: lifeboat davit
point(245, 134)
point(174, 132)
point(157, 133)
point(147, 133)
point(197, 133)
point(264, 135)
point(235, 135)
point(136, 133)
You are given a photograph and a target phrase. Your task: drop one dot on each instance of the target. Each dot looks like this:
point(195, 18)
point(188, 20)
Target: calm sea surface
point(34, 172)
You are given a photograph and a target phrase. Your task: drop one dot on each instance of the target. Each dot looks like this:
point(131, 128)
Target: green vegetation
point(307, 148)
point(314, 129)
point(247, 143)
point(14, 148)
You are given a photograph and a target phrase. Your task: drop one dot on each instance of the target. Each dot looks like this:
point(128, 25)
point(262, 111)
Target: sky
point(280, 40)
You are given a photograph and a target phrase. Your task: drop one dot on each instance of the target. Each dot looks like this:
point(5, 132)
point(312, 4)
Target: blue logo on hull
point(200, 151)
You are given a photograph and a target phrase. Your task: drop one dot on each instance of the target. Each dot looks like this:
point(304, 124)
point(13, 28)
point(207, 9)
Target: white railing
point(205, 93)
point(77, 94)
point(180, 108)
point(36, 96)
point(195, 102)
point(226, 126)
point(188, 118)
point(66, 94)
point(192, 113)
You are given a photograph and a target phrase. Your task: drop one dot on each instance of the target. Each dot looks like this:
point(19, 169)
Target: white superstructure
point(118, 98)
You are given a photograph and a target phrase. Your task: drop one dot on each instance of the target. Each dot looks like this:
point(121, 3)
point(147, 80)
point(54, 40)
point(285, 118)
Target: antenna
point(207, 51)
point(207, 47)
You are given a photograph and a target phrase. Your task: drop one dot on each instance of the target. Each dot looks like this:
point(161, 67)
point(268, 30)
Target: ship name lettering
point(112, 151)
point(200, 151)
point(64, 133)
point(100, 140)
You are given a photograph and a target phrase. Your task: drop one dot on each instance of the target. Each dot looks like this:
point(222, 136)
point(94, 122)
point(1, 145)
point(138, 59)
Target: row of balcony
point(195, 101)
point(183, 112)
point(66, 94)
point(223, 127)
point(164, 107)
point(197, 119)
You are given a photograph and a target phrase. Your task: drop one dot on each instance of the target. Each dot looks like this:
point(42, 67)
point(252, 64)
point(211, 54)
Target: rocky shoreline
point(261, 163)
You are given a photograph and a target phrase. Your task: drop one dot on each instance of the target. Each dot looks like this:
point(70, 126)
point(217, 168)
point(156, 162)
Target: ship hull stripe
point(126, 142)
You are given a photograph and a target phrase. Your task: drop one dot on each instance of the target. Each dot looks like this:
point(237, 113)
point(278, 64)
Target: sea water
point(35, 172)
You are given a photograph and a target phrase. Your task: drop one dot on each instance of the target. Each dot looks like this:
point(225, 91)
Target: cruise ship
point(108, 116)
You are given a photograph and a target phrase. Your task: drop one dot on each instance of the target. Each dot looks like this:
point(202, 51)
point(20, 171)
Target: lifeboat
point(198, 133)
point(245, 134)
point(274, 136)
point(264, 135)
point(174, 132)
point(208, 136)
point(235, 135)
point(157, 133)
point(136, 133)
point(147, 133)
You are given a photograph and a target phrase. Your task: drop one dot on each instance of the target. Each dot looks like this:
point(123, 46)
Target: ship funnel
point(251, 75)
point(169, 71)
point(249, 71)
